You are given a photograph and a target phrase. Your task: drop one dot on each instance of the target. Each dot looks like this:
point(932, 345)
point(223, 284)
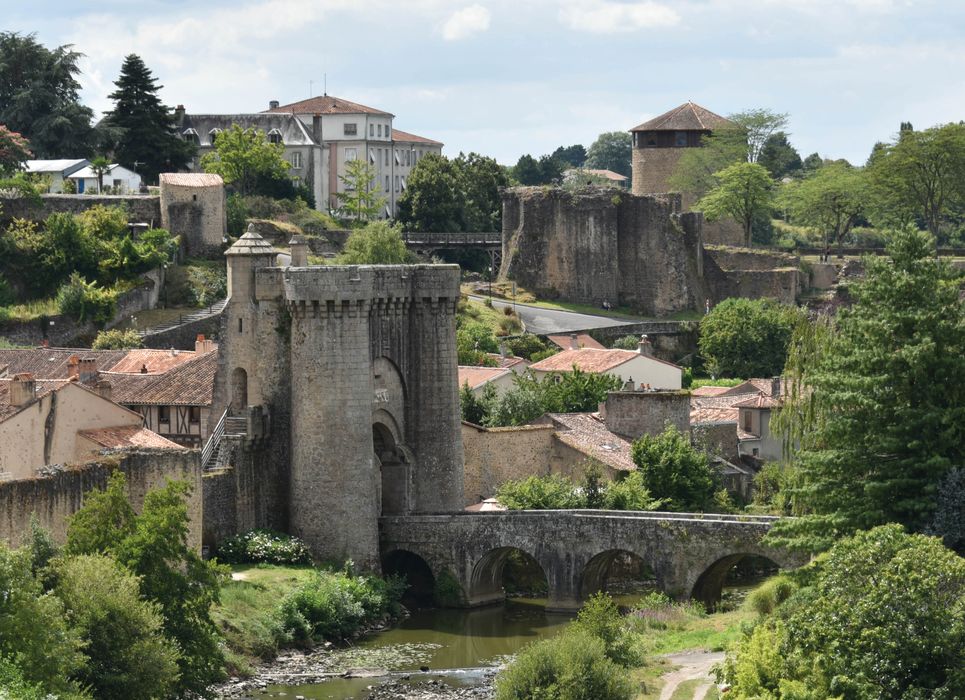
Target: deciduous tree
point(361, 197)
point(747, 337)
point(379, 243)
point(779, 156)
point(14, 151)
point(743, 192)
point(832, 199)
point(244, 158)
point(39, 97)
point(674, 471)
point(611, 151)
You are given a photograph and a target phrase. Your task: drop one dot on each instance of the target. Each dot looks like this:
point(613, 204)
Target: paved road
point(543, 321)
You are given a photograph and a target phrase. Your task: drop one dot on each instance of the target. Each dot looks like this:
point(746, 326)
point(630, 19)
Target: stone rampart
point(56, 497)
point(140, 208)
point(733, 258)
point(496, 455)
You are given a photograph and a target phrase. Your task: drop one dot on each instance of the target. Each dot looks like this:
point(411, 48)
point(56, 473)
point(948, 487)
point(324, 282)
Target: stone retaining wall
point(140, 208)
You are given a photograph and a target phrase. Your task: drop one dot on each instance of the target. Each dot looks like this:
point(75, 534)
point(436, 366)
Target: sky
point(508, 77)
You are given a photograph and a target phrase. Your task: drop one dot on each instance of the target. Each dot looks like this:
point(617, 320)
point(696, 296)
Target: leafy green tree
point(811, 163)
point(361, 197)
point(473, 341)
point(758, 125)
point(39, 97)
point(674, 471)
point(779, 156)
point(949, 520)
point(550, 492)
point(432, 202)
point(144, 129)
point(881, 405)
point(610, 151)
point(747, 337)
point(832, 199)
point(379, 243)
point(14, 152)
point(154, 547)
point(528, 171)
point(244, 158)
point(921, 174)
point(471, 407)
point(630, 493)
point(744, 191)
point(884, 618)
point(128, 655)
point(479, 180)
point(574, 156)
point(33, 632)
point(116, 339)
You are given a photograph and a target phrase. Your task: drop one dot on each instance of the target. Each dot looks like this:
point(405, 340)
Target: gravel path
point(693, 665)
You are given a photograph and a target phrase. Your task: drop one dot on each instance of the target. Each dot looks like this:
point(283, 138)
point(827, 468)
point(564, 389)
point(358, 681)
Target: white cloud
point(466, 22)
point(604, 17)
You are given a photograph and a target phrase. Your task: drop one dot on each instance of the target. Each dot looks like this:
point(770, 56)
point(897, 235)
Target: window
point(680, 138)
point(386, 183)
point(380, 131)
point(349, 154)
point(386, 156)
point(396, 183)
point(408, 156)
point(274, 136)
point(403, 183)
point(194, 414)
point(747, 421)
point(164, 414)
point(213, 134)
point(192, 136)
point(351, 129)
point(372, 156)
point(241, 328)
point(371, 130)
point(296, 159)
point(398, 158)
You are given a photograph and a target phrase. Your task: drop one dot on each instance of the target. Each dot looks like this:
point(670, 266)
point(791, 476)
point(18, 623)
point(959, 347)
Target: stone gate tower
point(355, 369)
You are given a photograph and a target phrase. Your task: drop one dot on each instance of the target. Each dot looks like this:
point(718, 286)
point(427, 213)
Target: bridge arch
point(418, 574)
point(486, 582)
point(710, 583)
point(602, 568)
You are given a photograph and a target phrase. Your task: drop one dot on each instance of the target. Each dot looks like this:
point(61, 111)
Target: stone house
point(320, 135)
point(45, 422)
point(754, 436)
point(171, 390)
point(635, 369)
point(478, 378)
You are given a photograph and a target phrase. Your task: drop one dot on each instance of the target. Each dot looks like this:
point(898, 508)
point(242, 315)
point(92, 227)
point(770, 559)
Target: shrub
point(550, 492)
point(197, 283)
point(236, 212)
point(128, 654)
point(7, 295)
point(571, 666)
point(86, 301)
point(117, 339)
point(525, 345)
point(766, 597)
point(334, 606)
point(626, 342)
point(600, 618)
point(264, 547)
point(629, 493)
point(675, 471)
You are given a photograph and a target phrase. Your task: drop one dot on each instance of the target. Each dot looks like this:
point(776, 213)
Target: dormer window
point(213, 134)
point(274, 136)
point(191, 135)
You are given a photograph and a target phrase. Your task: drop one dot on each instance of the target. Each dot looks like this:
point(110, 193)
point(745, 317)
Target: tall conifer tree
point(144, 128)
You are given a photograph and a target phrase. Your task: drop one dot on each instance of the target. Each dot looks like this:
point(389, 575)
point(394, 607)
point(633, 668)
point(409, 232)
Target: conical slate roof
point(251, 244)
point(686, 117)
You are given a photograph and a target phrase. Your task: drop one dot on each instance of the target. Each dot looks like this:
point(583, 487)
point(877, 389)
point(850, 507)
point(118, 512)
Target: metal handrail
point(216, 435)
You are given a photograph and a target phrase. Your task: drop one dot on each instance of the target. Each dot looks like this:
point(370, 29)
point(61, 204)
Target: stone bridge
point(689, 554)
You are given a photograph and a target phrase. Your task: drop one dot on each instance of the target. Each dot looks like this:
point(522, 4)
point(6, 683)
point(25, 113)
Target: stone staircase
point(216, 450)
point(198, 315)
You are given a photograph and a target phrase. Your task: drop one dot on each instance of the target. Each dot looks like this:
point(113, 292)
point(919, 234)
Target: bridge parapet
point(689, 554)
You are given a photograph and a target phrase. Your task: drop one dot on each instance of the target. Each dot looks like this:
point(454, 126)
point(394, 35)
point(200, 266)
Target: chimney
point(203, 345)
point(143, 369)
point(73, 369)
point(179, 114)
point(574, 342)
point(273, 104)
point(299, 248)
point(22, 389)
point(644, 347)
point(775, 387)
point(103, 389)
point(87, 370)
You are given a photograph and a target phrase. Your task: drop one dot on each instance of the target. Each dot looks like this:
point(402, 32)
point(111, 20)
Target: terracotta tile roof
point(709, 391)
point(406, 137)
point(156, 361)
point(53, 363)
point(188, 384)
point(751, 386)
point(509, 361)
point(191, 179)
point(715, 409)
point(129, 436)
point(686, 117)
point(583, 340)
point(608, 174)
point(588, 434)
point(587, 359)
point(762, 400)
point(476, 377)
point(327, 104)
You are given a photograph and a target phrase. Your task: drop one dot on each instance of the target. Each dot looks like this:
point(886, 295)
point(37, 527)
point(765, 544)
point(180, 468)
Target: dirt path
point(692, 665)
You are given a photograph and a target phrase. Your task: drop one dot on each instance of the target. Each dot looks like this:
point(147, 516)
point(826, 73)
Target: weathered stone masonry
point(356, 369)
